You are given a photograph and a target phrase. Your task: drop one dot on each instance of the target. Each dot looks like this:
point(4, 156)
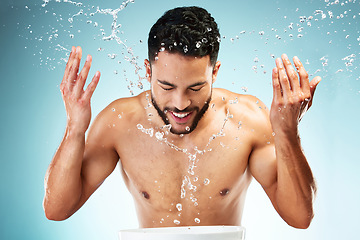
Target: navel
point(145, 195)
point(224, 192)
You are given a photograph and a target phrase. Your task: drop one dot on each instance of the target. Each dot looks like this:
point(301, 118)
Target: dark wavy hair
point(190, 31)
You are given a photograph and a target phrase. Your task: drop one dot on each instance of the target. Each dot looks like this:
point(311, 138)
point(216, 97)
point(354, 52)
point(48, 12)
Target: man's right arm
point(77, 169)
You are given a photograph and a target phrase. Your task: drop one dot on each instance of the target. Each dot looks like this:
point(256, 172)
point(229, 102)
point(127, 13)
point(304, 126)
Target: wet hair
point(190, 31)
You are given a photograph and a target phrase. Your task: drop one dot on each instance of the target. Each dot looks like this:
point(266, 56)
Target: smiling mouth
point(180, 117)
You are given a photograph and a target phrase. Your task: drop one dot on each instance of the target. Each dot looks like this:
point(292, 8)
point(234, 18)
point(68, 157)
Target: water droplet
point(150, 132)
point(179, 207)
point(187, 128)
point(177, 222)
point(112, 55)
point(197, 220)
point(206, 181)
point(159, 135)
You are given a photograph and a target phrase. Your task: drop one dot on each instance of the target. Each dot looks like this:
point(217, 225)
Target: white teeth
point(180, 115)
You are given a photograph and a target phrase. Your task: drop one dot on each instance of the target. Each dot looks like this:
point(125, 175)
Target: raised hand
point(292, 95)
point(77, 101)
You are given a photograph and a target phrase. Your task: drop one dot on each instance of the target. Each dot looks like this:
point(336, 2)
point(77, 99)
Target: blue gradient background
point(33, 117)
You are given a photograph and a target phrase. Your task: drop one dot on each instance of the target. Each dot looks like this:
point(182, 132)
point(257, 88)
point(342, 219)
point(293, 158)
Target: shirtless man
point(188, 151)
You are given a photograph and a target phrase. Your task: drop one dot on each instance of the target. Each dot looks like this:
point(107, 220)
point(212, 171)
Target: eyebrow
point(166, 83)
point(173, 85)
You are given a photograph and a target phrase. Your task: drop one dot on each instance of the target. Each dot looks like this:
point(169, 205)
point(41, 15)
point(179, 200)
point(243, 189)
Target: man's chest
point(157, 168)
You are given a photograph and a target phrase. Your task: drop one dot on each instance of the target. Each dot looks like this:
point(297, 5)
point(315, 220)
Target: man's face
point(181, 88)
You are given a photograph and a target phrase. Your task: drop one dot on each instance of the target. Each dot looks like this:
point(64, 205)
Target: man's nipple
point(224, 192)
point(145, 195)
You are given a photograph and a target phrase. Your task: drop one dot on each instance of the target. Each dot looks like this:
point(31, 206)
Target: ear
point(215, 71)
point(148, 70)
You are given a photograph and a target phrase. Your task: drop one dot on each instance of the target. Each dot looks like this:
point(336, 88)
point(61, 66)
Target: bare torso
point(198, 178)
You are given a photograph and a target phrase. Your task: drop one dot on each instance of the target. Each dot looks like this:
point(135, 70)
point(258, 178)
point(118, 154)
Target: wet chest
point(165, 173)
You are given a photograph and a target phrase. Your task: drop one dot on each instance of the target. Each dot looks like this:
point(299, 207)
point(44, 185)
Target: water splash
point(84, 12)
point(325, 18)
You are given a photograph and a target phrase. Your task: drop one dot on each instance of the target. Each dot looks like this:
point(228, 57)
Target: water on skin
point(188, 188)
point(179, 207)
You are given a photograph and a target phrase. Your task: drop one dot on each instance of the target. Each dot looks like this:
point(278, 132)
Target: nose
point(181, 101)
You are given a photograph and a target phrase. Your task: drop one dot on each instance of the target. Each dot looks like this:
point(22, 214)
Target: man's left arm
point(284, 173)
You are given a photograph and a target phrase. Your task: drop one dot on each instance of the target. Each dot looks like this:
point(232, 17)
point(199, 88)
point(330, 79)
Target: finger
point(79, 51)
point(304, 76)
point(68, 64)
point(91, 87)
point(283, 79)
point(276, 85)
point(74, 69)
point(81, 79)
point(313, 84)
point(291, 73)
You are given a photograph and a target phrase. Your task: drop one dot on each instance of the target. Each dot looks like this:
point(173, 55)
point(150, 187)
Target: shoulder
point(118, 116)
point(246, 111)
point(243, 106)
point(125, 109)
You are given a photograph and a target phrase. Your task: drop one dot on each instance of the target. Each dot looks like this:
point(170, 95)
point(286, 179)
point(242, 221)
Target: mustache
point(186, 110)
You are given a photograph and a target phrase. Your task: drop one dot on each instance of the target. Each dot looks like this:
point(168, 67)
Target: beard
point(200, 113)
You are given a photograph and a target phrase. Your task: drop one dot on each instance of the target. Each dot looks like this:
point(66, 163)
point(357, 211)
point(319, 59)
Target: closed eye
point(195, 89)
point(167, 89)
point(197, 86)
